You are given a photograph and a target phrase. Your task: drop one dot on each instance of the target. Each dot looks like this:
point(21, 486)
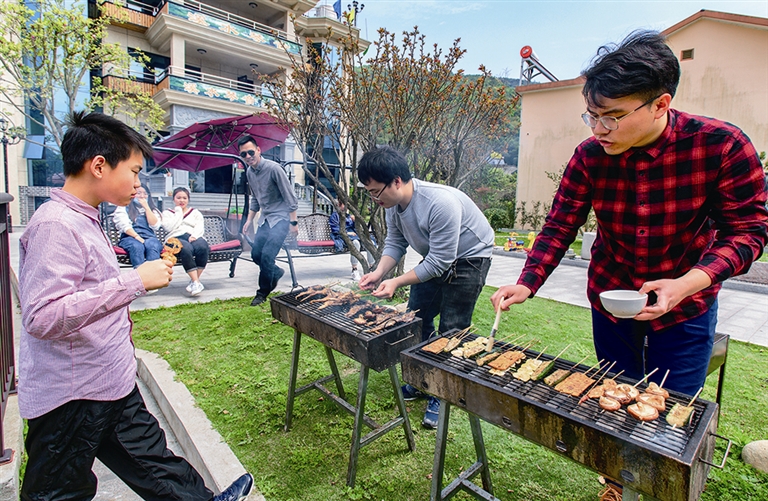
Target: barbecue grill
point(650, 458)
point(377, 351)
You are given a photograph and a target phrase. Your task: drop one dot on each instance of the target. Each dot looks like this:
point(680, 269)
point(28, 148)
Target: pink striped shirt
point(76, 330)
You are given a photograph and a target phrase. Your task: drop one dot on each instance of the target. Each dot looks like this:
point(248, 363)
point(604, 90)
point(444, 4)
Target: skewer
point(541, 352)
point(598, 364)
point(695, 397)
point(593, 385)
point(561, 352)
point(664, 379)
point(646, 377)
point(579, 362)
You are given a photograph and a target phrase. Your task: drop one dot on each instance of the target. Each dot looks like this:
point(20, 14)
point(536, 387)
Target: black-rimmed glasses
point(378, 193)
point(248, 153)
point(610, 123)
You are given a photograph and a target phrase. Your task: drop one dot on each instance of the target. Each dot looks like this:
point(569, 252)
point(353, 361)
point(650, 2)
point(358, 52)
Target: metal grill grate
point(657, 434)
point(332, 315)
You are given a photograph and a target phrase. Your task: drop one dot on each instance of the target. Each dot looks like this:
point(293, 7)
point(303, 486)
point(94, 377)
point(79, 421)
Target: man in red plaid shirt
point(680, 202)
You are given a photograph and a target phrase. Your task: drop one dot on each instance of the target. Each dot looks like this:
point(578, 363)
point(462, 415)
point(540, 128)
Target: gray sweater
point(442, 224)
point(271, 192)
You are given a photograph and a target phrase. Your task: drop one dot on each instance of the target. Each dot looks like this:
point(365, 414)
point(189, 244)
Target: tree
point(51, 52)
point(405, 94)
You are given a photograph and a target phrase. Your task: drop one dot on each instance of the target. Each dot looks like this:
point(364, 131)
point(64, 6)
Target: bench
point(224, 245)
point(313, 238)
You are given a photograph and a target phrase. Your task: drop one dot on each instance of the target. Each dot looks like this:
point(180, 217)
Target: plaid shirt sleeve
point(569, 212)
point(738, 212)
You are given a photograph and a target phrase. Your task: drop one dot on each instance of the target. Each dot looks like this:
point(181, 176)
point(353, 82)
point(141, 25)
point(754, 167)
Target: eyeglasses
point(378, 194)
point(611, 123)
point(249, 153)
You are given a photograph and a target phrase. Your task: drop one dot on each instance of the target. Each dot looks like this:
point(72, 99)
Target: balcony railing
point(7, 363)
point(135, 13)
point(129, 85)
point(203, 84)
point(231, 24)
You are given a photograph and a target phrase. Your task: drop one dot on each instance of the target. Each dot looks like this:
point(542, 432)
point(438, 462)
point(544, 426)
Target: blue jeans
point(684, 349)
point(139, 252)
point(266, 245)
point(452, 296)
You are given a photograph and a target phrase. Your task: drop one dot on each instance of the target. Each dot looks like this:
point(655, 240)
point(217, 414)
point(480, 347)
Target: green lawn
point(235, 361)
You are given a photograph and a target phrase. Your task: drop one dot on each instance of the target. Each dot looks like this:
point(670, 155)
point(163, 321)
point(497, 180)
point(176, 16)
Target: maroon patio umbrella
point(218, 136)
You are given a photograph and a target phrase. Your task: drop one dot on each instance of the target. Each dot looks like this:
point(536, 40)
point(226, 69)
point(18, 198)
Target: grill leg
point(362, 389)
point(482, 458)
point(335, 372)
point(401, 406)
point(438, 466)
point(292, 379)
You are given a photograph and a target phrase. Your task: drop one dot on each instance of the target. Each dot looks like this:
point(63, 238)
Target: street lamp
point(357, 7)
point(7, 139)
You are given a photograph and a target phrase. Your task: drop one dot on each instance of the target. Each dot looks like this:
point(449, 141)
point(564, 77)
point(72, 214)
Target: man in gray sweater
point(443, 225)
point(272, 198)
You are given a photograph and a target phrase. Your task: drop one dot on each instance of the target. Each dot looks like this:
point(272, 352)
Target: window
point(686, 54)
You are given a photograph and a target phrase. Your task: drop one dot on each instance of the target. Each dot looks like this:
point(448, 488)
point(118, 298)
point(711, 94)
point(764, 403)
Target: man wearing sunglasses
point(273, 199)
point(443, 225)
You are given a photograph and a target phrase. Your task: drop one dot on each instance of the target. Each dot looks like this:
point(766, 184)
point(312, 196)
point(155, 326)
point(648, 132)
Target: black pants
point(452, 295)
point(62, 445)
point(193, 255)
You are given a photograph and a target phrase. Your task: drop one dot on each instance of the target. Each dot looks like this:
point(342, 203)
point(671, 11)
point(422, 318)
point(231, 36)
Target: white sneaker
point(197, 288)
point(191, 286)
point(356, 275)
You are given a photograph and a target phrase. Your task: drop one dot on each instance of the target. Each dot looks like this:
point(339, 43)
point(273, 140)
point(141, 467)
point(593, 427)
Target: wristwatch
point(294, 223)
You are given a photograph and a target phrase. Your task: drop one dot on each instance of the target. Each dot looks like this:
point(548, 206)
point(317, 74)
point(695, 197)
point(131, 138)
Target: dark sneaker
point(411, 392)
point(258, 300)
point(431, 414)
point(239, 489)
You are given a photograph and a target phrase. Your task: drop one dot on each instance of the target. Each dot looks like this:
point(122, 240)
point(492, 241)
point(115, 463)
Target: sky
point(564, 34)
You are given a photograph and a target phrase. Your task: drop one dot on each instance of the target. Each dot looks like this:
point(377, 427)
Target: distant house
point(724, 65)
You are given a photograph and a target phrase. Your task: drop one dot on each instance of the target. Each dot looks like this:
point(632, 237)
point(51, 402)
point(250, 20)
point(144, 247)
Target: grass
point(235, 360)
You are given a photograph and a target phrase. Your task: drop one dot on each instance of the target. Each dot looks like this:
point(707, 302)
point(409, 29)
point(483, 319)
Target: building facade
point(204, 62)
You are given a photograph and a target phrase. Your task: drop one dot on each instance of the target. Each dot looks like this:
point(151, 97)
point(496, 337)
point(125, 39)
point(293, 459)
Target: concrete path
point(743, 314)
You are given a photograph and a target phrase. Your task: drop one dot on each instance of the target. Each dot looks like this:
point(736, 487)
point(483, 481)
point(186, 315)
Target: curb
point(202, 445)
point(13, 438)
point(731, 283)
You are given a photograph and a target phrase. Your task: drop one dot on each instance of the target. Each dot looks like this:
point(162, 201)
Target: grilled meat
point(629, 390)
point(609, 404)
point(575, 384)
point(655, 401)
point(506, 360)
point(654, 389)
point(643, 412)
point(436, 346)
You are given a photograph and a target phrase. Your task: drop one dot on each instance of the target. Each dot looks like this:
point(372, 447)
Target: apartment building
point(203, 61)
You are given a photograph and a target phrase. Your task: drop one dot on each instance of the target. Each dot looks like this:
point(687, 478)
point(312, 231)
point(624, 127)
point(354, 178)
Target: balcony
point(129, 85)
point(212, 28)
point(201, 90)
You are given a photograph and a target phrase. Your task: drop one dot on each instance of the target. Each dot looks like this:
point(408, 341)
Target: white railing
point(199, 76)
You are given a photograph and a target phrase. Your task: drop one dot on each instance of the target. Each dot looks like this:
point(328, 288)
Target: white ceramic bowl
point(623, 304)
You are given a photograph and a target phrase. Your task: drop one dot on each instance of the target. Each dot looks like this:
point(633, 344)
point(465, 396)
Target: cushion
point(230, 244)
point(119, 251)
point(315, 243)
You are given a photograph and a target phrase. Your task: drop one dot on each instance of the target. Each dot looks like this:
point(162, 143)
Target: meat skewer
point(545, 368)
point(586, 395)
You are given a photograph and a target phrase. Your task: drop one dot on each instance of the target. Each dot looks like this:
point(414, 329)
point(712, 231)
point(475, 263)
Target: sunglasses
point(249, 153)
